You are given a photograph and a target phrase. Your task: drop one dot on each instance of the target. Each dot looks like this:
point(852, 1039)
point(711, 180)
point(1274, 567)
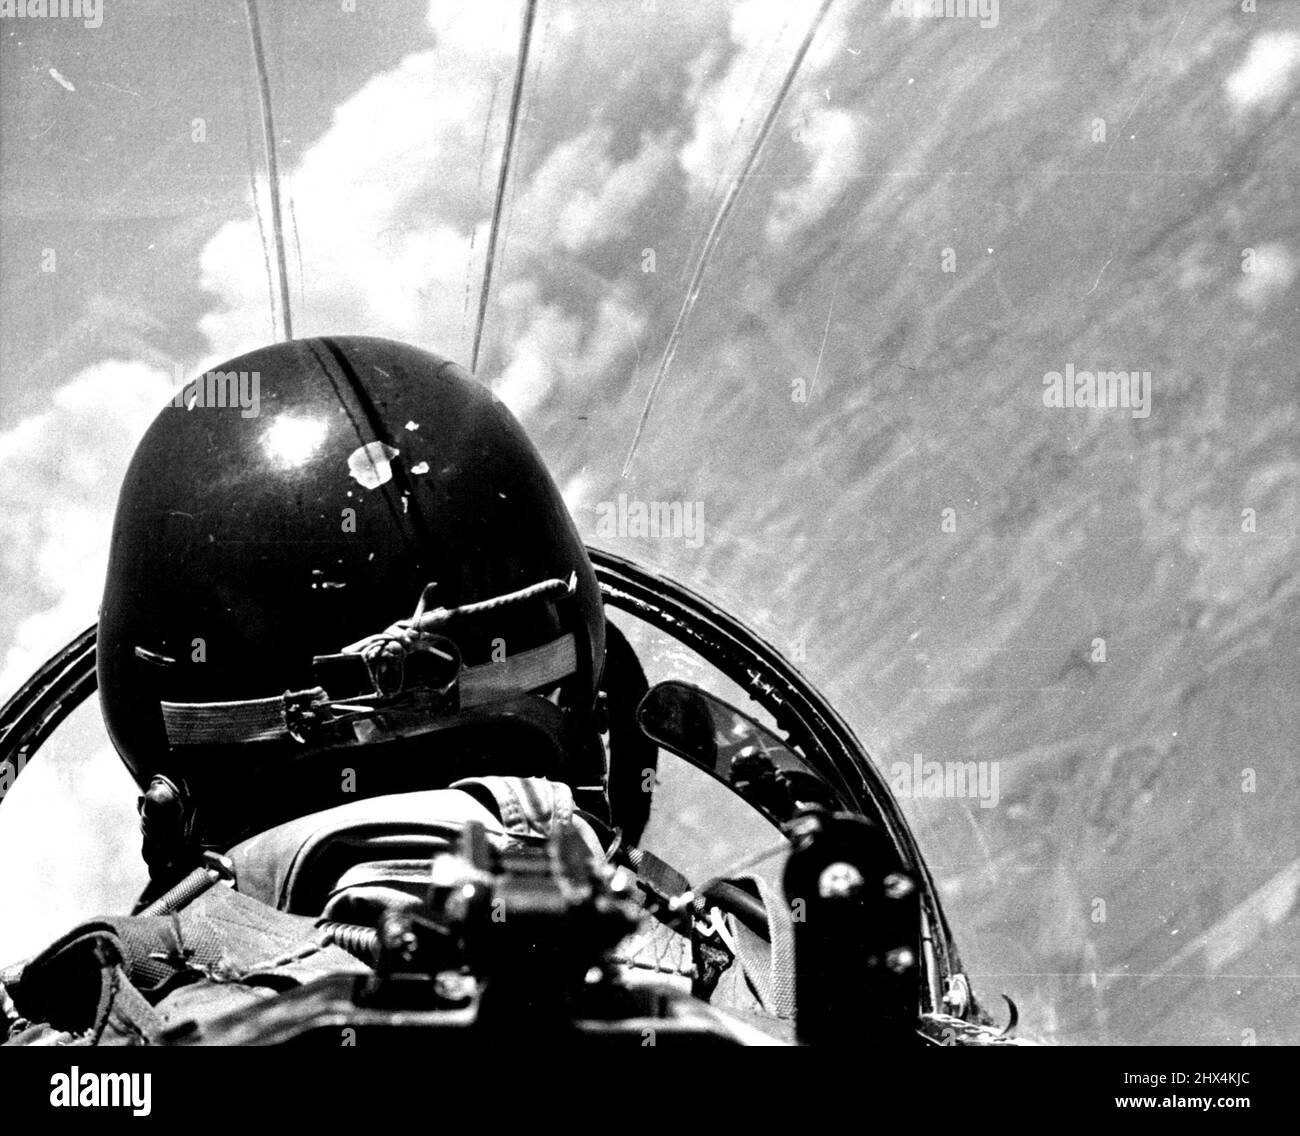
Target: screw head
point(839, 880)
point(897, 885)
point(900, 960)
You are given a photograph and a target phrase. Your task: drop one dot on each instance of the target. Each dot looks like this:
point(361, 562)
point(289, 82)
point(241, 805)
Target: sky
point(944, 213)
point(134, 156)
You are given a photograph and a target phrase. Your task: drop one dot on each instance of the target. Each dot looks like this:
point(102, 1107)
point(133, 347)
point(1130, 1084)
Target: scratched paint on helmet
point(371, 465)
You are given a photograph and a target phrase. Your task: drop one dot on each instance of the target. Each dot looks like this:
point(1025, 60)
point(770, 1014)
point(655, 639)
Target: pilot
point(332, 634)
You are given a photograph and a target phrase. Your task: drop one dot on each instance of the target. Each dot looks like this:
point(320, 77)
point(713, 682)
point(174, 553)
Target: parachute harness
point(415, 674)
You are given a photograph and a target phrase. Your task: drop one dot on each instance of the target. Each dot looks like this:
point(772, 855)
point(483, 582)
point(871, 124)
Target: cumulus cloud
point(490, 31)
point(62, 468)
point(1268, 73)
point(580, 197)
point(577, 493)
point(831, 138)
point(390, 207)
point(389, 212)
point(392, 211)
point(1272, 272)
point(549, 346)
point(386, 208)
point(731, 108)
point(725, 105)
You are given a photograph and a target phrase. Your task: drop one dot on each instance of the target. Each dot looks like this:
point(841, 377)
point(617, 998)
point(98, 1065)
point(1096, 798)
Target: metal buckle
point(223, 866)
point(307, 714)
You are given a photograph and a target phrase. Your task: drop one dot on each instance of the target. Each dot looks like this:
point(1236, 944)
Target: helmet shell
point(251, 536)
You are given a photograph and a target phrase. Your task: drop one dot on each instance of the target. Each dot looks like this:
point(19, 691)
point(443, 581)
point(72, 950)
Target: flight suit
point(124, 980)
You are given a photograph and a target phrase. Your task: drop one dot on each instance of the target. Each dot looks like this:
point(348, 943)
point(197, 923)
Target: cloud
point(476, 28)
point(580, 197)
point(737, 97)
point(386, 209)
point(1272, 273)
point(730, 110)
point(576, 493)
point(387, 217)
point(61, 472)
point(549, 347)
point(1268, 73)
point(831, 137)
point(392, 210)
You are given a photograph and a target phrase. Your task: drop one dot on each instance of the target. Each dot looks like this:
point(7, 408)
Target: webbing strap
point(263, 719)
point(116, 980)
point(221, 934)
point(211, 723)
point(81, 988)
point(519, 674)
point(770, 965)
point(660, 875)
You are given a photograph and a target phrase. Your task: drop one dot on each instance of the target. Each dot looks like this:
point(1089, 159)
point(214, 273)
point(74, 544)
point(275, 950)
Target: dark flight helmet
point(335, 560)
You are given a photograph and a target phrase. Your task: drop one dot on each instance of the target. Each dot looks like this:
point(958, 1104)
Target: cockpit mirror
point(739, 751)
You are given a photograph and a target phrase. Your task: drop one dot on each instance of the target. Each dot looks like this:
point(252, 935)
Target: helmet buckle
point(420, 677)
point(307, 714)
